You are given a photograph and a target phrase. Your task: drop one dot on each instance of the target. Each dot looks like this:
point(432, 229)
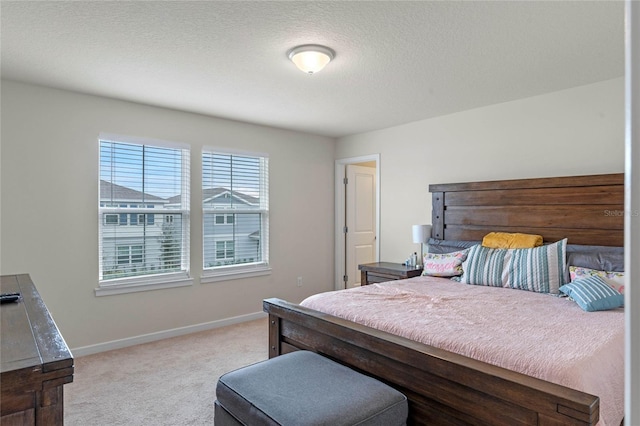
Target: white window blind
point(235, 201)
point(144, 210)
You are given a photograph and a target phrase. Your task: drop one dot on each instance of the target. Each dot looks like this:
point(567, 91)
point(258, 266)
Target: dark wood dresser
point(35, 360)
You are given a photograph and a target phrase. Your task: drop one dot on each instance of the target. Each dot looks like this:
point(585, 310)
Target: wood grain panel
point(437, 215)
point(548, 196)
point(594, 237)
point(551, 182)
point(583, 216)
point(274, 331)
point(587, 210)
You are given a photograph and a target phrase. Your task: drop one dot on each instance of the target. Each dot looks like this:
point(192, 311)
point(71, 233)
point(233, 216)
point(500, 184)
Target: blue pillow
point(593, 294)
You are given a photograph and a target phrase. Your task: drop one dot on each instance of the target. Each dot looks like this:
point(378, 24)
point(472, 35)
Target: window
point(235, 196)
point(129, 255)
point(144, 191)
point(150, 217)
point(221, 219)
point(110, 219)
point(224, 250)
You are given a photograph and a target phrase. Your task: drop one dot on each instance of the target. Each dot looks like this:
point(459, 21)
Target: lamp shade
point(311, 58)
point(421, 233)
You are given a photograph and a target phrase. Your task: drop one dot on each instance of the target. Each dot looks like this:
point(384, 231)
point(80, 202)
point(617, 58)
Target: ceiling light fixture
point(311, 58)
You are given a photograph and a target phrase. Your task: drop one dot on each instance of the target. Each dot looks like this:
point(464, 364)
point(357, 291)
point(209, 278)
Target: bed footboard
point(443, 388)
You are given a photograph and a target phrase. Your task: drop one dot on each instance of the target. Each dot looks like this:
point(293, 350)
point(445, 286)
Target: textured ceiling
point(396, 62)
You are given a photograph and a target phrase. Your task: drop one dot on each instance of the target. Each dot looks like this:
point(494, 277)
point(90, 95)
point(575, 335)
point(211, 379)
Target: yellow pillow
point(511, 240)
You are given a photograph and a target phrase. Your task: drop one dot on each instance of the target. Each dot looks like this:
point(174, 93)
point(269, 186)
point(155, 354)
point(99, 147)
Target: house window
point(224, 250)
point(110, 219)
point(130, 255)
point(235, 196)
point(133, 217)
point(150, 217)
point(224, 219)
point(140, 179)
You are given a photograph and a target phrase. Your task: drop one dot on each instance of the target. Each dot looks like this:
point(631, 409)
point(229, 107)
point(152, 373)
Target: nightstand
point(386, 271)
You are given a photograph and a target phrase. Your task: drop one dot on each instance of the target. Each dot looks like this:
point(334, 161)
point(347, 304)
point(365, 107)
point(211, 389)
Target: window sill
point(131, 285)
point(234, 274)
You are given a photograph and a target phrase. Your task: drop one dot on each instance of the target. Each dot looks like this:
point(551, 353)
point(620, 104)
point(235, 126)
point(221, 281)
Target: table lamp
point(421, 234)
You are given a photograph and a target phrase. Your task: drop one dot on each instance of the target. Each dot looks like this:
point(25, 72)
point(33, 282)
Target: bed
point(449, 388)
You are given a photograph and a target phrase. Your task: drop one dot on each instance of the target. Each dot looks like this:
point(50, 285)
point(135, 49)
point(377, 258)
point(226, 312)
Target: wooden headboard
point(585, 209)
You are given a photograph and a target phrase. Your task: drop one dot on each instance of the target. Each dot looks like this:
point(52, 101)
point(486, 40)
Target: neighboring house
point(231, 229)
point(139, 240)
point(131, 241)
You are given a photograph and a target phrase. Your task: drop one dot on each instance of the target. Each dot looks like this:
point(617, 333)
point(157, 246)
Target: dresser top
point(29, 336)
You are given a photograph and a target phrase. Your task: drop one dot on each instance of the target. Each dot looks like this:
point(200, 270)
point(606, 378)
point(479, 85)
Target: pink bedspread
point(540, 335)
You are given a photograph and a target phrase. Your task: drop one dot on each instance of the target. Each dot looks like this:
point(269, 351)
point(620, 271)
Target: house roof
point(111, 191)
point(210, 193)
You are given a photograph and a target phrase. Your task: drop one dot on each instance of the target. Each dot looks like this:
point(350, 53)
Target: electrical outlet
point(299, 281)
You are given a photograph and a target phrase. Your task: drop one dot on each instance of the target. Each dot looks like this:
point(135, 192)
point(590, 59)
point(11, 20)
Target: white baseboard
point(159, 335)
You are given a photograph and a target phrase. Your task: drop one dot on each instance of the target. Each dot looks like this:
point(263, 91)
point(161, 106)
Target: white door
point(360, 219)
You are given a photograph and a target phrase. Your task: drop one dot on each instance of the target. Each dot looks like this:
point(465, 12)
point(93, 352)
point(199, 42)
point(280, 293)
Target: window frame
point(246, 270)
point(149, 210)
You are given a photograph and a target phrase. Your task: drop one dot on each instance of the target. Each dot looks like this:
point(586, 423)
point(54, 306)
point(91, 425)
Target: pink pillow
point(614, 280)
point(445, 264)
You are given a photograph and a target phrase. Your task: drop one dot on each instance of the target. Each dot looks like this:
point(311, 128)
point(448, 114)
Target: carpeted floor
point(168, 382)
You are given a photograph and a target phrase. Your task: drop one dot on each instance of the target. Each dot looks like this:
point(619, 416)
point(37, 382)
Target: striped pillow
point(540, 269)
point(593, 294)
point(485, 266)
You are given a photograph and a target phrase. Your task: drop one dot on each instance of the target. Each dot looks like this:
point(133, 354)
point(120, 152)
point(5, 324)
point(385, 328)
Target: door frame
point(340, 219)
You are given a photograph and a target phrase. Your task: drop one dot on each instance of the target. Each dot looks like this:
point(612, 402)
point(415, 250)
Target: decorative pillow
point(485, 266)
point(508, 240)
point(593, 294)
point(445, 264)
point(614, 279)
point(540, 269)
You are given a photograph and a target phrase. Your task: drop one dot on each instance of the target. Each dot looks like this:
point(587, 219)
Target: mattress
point(540, 335)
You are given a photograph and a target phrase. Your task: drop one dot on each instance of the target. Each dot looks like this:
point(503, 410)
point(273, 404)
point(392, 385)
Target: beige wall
point(49, 191)
point(50, 212)
point(571, 132)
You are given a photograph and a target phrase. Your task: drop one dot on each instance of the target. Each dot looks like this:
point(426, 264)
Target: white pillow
point(444, 264)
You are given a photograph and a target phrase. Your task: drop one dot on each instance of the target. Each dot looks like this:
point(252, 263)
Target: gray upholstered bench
point(304, 388)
